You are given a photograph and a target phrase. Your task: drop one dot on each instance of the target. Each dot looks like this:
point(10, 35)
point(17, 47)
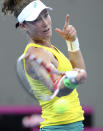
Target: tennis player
point(33, 17)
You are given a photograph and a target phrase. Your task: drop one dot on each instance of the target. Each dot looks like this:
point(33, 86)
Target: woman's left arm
point(69, 34)
point(77, 60)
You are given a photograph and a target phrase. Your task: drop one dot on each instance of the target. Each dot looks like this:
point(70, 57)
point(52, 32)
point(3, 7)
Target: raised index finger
point(66, 21)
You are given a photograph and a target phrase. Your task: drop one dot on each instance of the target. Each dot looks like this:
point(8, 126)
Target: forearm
point(76, 59)
point(75, 55)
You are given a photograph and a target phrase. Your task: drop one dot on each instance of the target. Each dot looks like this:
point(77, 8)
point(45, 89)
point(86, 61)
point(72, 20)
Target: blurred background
point(87, 17)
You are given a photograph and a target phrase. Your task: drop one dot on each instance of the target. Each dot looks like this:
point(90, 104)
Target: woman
point(34, 19)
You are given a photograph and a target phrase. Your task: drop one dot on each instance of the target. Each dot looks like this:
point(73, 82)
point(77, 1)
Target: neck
point(42, 42)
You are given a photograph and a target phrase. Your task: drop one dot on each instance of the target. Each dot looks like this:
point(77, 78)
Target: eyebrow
point(44, 11)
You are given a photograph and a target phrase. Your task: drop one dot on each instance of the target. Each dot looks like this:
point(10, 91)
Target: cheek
point(33, 30)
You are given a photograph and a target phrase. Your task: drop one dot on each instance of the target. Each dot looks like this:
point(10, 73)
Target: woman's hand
point(82, 75)
point(68, 32)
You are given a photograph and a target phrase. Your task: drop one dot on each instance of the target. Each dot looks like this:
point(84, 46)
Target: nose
point(44, 21)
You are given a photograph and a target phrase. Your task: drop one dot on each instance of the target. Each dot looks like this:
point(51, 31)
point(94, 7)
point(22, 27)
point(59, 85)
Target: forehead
point(43, 12)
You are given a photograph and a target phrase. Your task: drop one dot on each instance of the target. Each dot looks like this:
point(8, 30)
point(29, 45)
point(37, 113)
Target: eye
point(37, 20)
point(46, 15)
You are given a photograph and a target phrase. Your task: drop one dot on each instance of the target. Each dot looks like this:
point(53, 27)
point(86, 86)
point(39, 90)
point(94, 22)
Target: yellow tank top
point(74, 113)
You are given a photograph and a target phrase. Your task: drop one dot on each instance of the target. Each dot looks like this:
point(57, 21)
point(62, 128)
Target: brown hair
point(14, 7)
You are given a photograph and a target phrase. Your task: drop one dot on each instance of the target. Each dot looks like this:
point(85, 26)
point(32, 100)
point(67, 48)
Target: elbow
point(84, 76)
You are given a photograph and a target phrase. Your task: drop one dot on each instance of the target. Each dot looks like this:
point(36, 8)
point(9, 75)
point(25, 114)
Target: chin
point(48, 36)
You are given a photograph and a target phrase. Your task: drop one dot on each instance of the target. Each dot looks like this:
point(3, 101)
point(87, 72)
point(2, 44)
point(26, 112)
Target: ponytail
point(10, 6)
point(14, 6)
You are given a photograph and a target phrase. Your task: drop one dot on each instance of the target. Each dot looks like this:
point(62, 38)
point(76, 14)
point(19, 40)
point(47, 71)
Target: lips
point(46, 30)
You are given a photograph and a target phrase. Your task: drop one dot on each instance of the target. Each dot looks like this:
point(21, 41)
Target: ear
point(23, 26)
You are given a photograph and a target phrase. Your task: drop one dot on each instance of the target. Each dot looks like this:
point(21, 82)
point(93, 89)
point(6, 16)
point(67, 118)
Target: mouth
point(46, 30)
